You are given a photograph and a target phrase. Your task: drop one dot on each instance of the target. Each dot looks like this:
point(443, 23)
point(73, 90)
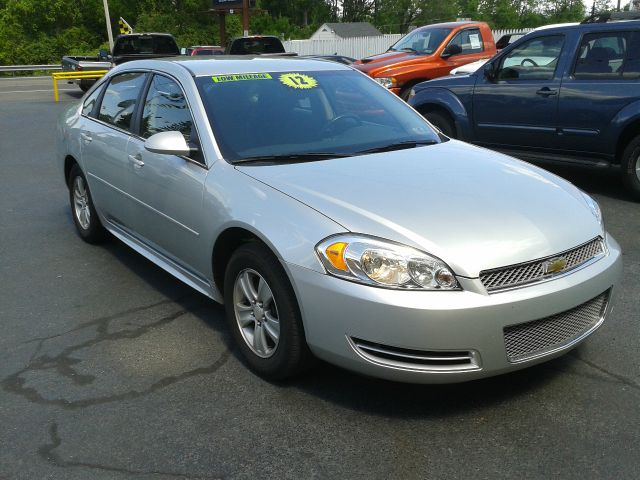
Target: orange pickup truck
point(429, 52)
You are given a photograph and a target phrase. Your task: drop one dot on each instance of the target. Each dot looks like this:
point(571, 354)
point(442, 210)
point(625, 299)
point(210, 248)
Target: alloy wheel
point(256, 313)
point(81, 203)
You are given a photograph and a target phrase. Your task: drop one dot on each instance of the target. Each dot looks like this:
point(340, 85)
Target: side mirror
point(103, 54)
point(489, 71)
point(168, 143)
point(451, 50)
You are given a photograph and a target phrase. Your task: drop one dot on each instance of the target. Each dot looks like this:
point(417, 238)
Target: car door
point(602, 81)
point(518, 105)
point(104, 135)
point(168, 189)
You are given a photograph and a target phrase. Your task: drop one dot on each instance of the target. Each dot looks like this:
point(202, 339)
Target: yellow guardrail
point(75, 75)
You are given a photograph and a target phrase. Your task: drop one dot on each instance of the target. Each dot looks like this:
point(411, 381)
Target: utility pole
point(245, 17)
point(107, 19)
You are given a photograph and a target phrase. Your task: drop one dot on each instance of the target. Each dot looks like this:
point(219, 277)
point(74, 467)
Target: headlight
point(595, 209)
point(386, 264)
point(385, 81)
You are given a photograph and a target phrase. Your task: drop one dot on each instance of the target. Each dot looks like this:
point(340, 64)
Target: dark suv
point(567, 95)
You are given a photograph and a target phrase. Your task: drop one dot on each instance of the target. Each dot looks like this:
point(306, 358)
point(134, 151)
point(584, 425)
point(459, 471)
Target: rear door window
point(120, 99)
point(631, 67)
point(601, 55)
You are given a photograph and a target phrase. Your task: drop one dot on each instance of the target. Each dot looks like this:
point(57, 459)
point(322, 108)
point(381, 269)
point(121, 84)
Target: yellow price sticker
point(298, 80)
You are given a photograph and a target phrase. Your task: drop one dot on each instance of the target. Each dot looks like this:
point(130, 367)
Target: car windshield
point(323, 114)
point(423, 41)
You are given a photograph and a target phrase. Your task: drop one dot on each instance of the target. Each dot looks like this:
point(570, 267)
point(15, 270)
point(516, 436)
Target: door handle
point(86, 137)
point(546, 92)
point(137, 160)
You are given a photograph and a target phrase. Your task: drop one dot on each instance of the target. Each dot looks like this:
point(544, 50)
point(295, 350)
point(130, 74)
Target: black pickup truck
point(256, 45)
point(135, 46)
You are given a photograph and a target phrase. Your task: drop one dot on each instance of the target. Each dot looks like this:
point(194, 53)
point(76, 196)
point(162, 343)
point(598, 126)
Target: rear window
point(146, 45)
point(248, 46)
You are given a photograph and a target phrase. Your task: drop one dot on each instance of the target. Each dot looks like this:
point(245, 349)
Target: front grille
point(532, 339)
point(415, 359)
point(531, 272)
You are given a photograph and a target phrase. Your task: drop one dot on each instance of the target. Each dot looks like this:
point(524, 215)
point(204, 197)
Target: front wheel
point(630, 164)
point(442, 123)
point(263, 313)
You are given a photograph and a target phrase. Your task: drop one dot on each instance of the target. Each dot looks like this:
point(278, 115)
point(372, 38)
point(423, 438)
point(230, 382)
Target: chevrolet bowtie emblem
point(554, 265)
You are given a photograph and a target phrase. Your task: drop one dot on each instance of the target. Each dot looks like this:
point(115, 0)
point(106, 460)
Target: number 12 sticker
point(298, 80)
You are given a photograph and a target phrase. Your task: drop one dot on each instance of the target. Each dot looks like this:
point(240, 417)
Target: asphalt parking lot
point(112, 369)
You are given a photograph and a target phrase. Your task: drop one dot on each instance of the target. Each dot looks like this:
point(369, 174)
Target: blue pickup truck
point(564, 95)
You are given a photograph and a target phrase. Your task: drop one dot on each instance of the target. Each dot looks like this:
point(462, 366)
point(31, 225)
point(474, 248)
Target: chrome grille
point(533, 339)
point(531, 272)
point(415, 359)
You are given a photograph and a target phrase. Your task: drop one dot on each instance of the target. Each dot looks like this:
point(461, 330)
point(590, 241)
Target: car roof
point(253, 64)
point(230, 64)
point(450, 24)
point(597, 26)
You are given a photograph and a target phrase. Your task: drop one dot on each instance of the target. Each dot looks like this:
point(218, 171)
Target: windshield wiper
point(399, 146)
point(409, 49)
point(291, 158)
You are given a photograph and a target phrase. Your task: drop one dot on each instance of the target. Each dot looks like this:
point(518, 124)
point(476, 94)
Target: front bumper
point(339, 315)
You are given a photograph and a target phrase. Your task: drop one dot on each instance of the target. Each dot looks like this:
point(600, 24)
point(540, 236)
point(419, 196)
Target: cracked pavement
point(112, 369)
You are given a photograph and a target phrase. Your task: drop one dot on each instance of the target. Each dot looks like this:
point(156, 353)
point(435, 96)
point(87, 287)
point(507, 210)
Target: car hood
point(473, 208)
point(378, 62)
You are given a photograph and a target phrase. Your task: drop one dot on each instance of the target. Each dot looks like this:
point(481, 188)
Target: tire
point(630, 164)
point(442, 122)
point(246, 299)
point(83, 212)
point(86, 84)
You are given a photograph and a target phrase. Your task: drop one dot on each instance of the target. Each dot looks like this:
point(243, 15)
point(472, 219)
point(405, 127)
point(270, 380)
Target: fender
point(267, 213)
point(449, 101)
point(625, 117)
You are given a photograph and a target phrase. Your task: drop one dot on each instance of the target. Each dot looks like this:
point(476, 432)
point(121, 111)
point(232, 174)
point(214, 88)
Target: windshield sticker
point(298, 80)
point(241, 77)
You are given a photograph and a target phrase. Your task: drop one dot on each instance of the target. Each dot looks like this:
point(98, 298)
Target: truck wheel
point(442, 122)
point(630, 164)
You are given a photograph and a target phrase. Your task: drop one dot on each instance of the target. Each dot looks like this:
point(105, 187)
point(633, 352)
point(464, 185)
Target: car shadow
point(344, 388)
point(205, 309)
point(606, 182)
point(404, 400)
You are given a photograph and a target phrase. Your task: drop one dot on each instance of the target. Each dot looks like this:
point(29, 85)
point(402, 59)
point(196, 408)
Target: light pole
point(245, 18)
point(107, 19)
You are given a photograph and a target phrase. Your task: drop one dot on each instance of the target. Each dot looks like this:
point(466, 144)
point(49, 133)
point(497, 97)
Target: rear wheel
point(630, 164)
point(263, 313)
point(84, 213)
point(442, 122)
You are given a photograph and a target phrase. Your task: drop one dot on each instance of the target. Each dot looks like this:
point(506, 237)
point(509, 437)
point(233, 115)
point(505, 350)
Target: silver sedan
point(333, 221)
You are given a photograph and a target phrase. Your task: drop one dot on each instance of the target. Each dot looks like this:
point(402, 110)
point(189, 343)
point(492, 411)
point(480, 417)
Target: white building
point(337, 31)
